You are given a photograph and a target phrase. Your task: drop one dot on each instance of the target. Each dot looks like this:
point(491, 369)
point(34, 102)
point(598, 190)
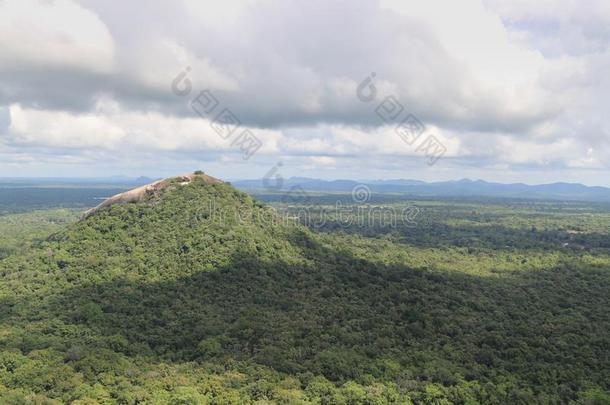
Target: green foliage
point(18, 232)
point(202, 295)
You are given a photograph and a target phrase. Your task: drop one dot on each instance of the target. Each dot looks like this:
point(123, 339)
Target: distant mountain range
point(454, 188)
point(457, 188)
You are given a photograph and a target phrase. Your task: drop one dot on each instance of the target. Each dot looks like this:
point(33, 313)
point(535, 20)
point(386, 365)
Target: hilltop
point(152, 189)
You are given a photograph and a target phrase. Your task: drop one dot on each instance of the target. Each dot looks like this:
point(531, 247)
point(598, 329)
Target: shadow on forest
point(344, 317)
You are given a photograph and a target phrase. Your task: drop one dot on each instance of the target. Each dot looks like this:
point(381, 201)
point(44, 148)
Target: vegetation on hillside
point(167, 302)
point(19, 231)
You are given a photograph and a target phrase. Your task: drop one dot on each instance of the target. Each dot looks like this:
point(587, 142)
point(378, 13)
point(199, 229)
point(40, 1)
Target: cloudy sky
point(510, 90)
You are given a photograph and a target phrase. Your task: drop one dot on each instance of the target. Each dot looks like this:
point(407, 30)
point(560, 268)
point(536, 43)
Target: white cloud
point(502, 84)
point(280, 65)
point(111, 129)
point(323, 160)
point(53, 35)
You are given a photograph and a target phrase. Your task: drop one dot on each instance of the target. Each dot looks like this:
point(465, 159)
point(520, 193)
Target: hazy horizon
point(362, 180)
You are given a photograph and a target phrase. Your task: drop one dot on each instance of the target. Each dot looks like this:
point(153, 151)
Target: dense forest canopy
point(162, 301)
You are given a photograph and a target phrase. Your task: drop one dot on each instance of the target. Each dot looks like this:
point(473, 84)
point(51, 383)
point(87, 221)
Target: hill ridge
point(140, 193)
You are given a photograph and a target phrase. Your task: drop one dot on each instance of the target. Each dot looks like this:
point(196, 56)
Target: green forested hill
point(197, 295)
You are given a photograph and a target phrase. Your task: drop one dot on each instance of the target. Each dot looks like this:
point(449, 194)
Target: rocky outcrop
point(140, 193)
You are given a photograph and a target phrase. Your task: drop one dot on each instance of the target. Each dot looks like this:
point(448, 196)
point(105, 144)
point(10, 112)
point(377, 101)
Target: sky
point(507, 91)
